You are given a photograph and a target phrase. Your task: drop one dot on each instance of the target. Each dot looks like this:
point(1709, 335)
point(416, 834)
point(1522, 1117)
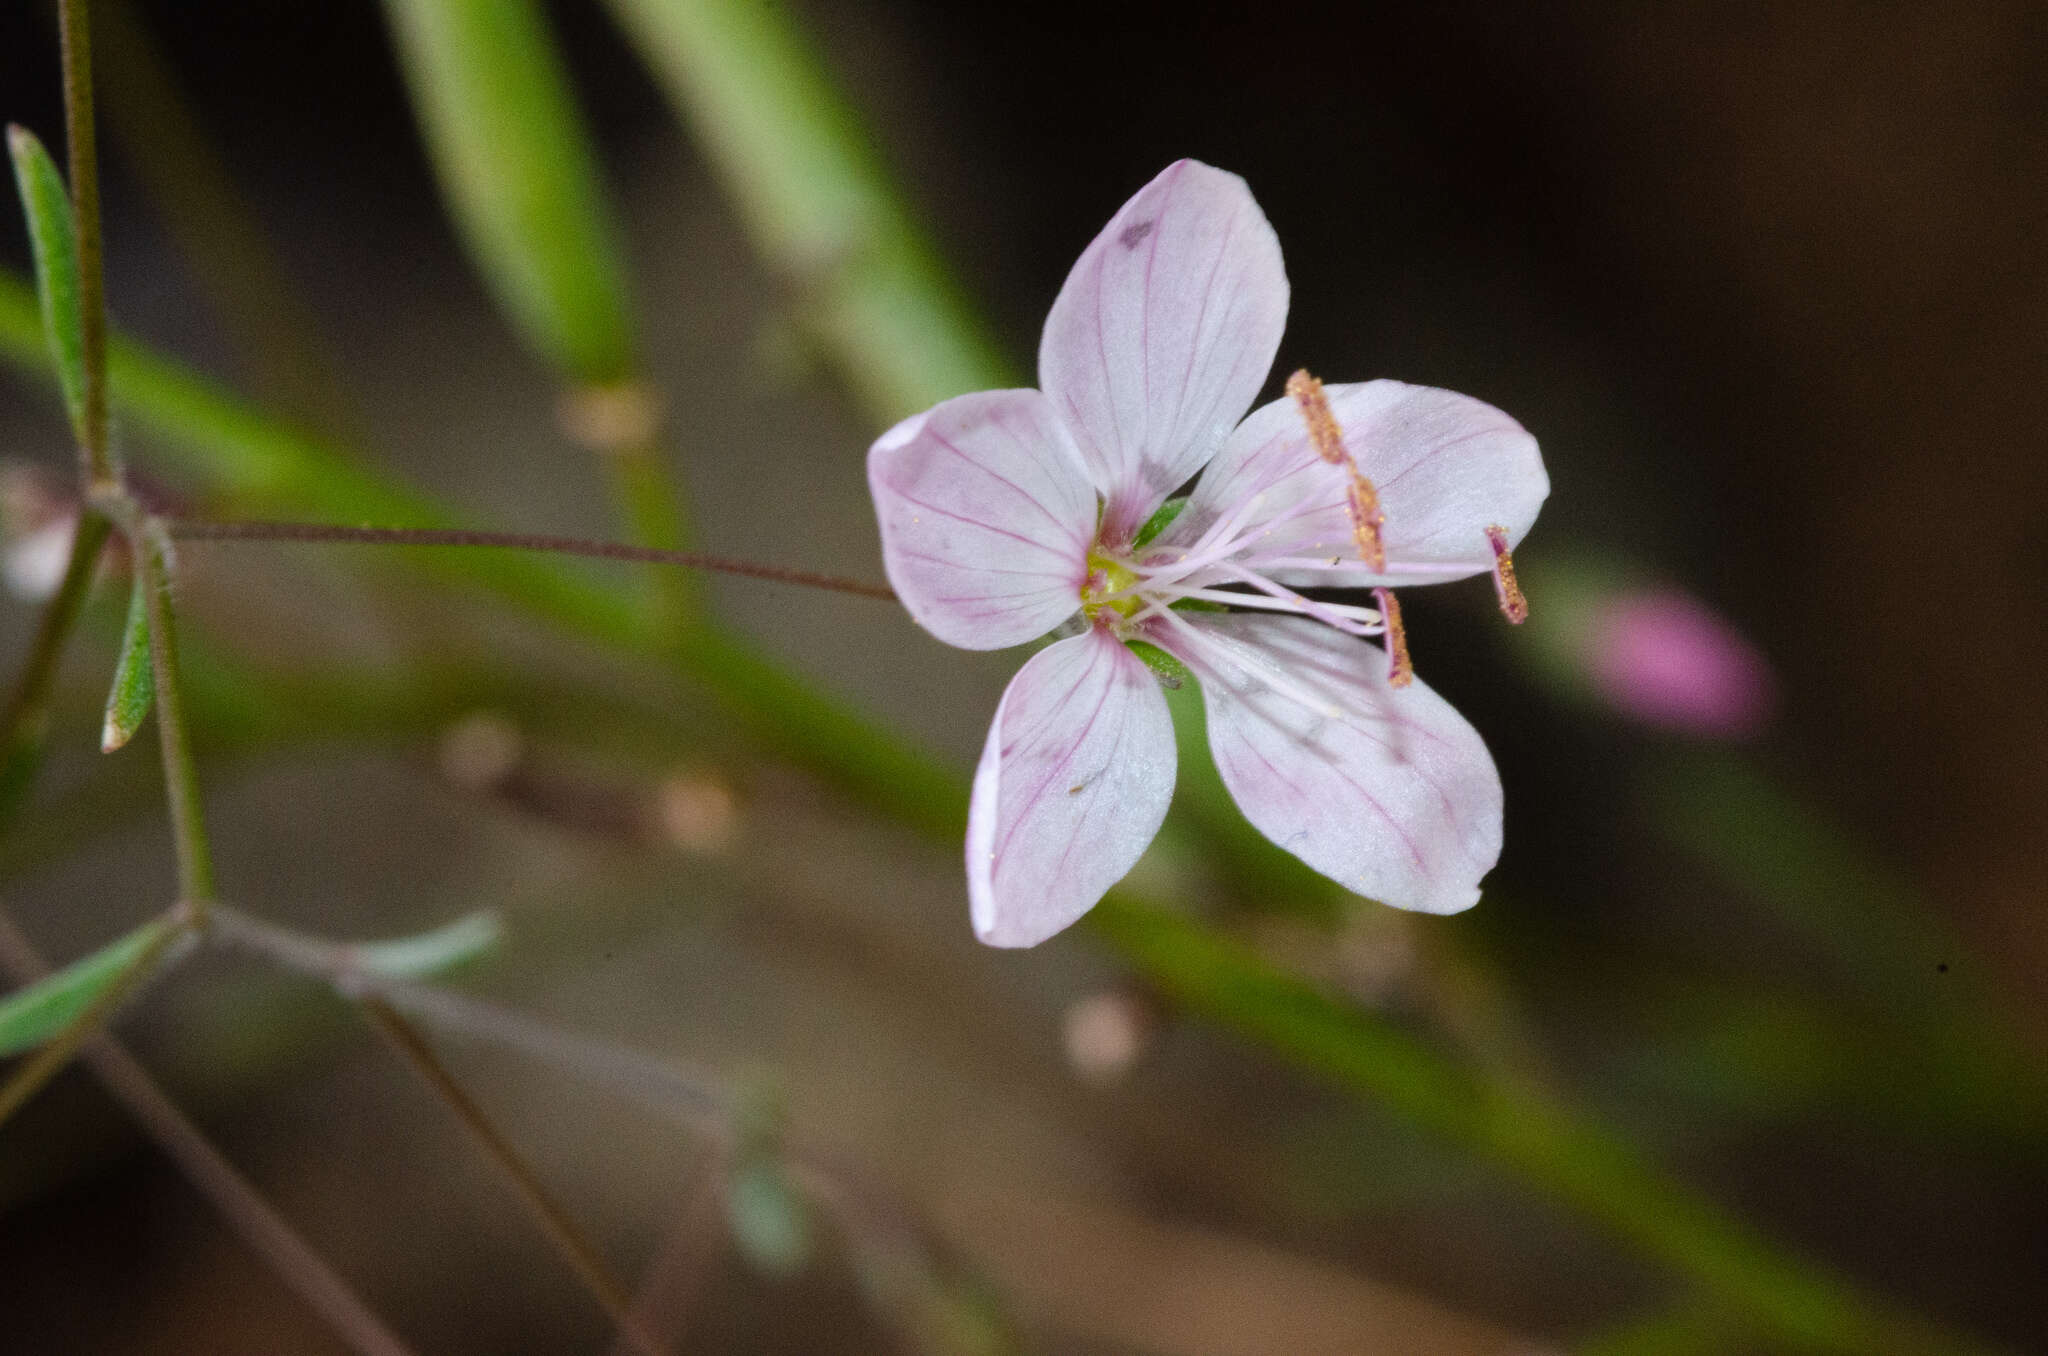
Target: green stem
point(150, 551)
point(27, 719)
point(75, 31)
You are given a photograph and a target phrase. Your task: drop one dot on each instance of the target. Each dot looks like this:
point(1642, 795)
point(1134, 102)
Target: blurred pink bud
point(38, 518)
point(1666, 659)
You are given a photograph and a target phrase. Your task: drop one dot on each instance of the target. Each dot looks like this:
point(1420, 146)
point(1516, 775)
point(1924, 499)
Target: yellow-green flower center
point(1107, 577)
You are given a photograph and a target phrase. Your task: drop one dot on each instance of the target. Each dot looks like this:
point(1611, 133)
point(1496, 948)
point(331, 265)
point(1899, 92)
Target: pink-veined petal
point(986, 518)
point(1162, 336)
point(1073, 784)
point(1387, 791)
point(1446, 467)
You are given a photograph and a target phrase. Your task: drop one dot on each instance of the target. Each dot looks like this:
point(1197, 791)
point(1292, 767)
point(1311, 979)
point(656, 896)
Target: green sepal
point(1170, 672)
point(134, 690)
point(1161, 519)
point(53, 240)
point(30, 1016)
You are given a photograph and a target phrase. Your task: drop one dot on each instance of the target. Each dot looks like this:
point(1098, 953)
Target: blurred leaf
point(134, 688)
point(816, 201)
point(53, 239)
point(520, 176)
point(770, 1217)
point(30, 1016)
point(431, 953)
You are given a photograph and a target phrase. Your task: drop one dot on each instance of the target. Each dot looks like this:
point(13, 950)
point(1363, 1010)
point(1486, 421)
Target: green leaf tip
point(53, 241)
point(34, 1014)
point(134, 690)
point(431, 953)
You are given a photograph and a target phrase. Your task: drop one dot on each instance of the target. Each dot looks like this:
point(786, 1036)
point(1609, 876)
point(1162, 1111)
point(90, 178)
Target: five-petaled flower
point(1005, 514)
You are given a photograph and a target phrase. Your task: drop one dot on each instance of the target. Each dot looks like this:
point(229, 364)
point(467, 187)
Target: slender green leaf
point(431, 953)
point(134, 690)
point(30, 1016)
point(53, 239)
point(520, 175)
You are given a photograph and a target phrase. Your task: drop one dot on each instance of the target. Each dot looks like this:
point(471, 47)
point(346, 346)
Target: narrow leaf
point(134, 690)
point(431, 953)
point(30, 1016)
point(520, 175)
point(53, 239)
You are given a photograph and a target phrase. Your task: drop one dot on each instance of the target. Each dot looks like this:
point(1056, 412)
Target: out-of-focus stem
point(562, 1230)
point(240, 1204)
point(25, 723)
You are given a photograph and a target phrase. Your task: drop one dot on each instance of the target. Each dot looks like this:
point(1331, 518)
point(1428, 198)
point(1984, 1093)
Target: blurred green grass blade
point(53, 240)
point(816, 201)
point(30, 1016)
point(1569, 1156)
point(427, 954)
point(520, 176)
point(134, 690)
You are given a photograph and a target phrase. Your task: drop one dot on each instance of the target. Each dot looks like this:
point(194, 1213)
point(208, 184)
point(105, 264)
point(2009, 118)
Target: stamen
point(1400, 667)
point(1366, 521)
point(1512, 604)
point(1360, 499)
point(1315, 412)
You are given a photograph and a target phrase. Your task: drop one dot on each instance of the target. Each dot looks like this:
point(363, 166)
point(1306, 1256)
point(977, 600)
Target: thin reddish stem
point(341, 534)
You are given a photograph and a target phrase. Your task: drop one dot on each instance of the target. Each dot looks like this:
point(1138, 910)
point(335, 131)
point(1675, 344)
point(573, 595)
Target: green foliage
point(30, 1016)
point(54, 242)
point(134, 690)
point(520, 175)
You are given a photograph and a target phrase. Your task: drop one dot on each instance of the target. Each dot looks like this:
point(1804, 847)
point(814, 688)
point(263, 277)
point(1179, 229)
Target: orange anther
point(1512, 604)
point(1400, 667)
point(1315, 412)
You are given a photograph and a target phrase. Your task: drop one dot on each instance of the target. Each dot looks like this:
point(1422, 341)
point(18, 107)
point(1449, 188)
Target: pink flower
point(1665, 658)
point(1007, 514)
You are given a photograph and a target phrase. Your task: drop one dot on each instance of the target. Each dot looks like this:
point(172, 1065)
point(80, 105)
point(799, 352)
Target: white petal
point(1387, 791)
point(1073, 784)
point(986, 518)
point(1446, 467)
point(1163, 335)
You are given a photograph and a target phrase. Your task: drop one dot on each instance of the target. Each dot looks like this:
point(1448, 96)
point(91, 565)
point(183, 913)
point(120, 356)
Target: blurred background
point(1766, 282)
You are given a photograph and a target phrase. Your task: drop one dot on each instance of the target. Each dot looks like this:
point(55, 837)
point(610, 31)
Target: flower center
point(1107, 588)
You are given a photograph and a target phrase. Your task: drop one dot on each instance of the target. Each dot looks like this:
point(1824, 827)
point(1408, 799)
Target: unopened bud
point(1106, 1033)
point(698, 813)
